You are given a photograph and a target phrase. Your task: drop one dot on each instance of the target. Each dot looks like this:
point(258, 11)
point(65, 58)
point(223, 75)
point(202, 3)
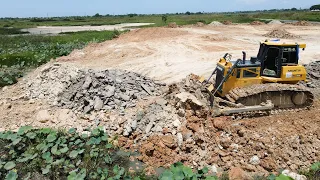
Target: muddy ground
point(163, 128)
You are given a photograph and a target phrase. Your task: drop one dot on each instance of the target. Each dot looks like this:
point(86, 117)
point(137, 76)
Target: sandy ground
point(171, 54)
point(59, 29)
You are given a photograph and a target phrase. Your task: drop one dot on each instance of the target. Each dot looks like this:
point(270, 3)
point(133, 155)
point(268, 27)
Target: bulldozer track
point(283, 96)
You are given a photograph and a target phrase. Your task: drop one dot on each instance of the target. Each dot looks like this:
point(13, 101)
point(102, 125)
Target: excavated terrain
point(139, 88)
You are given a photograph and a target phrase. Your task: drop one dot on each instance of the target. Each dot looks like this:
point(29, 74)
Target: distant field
point(180, 19)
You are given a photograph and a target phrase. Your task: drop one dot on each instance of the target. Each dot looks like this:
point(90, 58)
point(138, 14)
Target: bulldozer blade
point(201, 79)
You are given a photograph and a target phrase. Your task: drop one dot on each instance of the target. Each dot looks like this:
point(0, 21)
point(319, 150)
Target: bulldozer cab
point(273, 56)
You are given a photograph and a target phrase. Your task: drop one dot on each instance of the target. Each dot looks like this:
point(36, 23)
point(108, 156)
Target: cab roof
point(281, 43)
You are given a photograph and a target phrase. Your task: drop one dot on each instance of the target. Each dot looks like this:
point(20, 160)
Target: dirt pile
point(172, 25)
point(227, 22)
point(87, 90)
point(280, 33)
point(302, 23)
point(275, 22)
point(257, 23)
point(199, 24)
point(215, 37)
point(215, 23)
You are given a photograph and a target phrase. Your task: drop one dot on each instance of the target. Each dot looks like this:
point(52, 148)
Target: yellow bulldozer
point(268, 81)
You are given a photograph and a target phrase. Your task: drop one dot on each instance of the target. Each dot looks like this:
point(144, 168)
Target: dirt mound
point(215, 23)
point(172, 25)
point(257, 23)
point(199, 24)
point(302, 23)
point(280, 33)
point(275, 22)
point(145, 34)
point(215, 38)
point(227, 22)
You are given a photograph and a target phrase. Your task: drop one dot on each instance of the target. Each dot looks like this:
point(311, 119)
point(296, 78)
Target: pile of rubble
point(275, 22)
point(280, 33)
point(313, 76)
point(199, 24)
point(215, 23)
point(302, 23)
point(257, 23)
point(227, 22)
point(172, 25)
point(84, 90)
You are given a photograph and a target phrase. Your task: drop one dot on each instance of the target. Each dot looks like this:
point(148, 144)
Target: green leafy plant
point(178, 171)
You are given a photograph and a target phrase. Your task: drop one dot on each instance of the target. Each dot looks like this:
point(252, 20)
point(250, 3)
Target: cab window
point(252, 72)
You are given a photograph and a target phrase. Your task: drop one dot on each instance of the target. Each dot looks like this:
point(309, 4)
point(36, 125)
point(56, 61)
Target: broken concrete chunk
point(146, 89)
point(43, 116)
point(184, 96)
point(87, 82)
point(98, 103)
point(87, 109)
point(124, 97)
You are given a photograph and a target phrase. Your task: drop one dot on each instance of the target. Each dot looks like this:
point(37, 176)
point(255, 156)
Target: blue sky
point(40, 8)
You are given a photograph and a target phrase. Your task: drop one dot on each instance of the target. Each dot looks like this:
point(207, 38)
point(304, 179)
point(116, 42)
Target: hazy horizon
point(37, 8)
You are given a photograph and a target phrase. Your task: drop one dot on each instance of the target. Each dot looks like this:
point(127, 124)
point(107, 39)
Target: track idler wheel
point(299, 98)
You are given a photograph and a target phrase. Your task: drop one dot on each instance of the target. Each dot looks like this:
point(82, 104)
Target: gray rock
point(87, 109)
point(98, 103)
point(254, 160)
point(43, 116)
point(180, 139)
point(162, 102)
point(176, 123)
point(117, 102)
point(158, 128)
point(124, 97)
point(110, 91)
point(99, 75)
point(181, 112)
point(134, 124)
point(146, 89)
point(87, 82)
point(149, 127)
point(118, 81)
point(294, 175)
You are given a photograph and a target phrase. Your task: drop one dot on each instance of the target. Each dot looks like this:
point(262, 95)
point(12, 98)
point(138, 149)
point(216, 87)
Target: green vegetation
point(52, 154)
point(8, 31)
point(21, 53)
point(47, 153)
point(315, 7)
point(180, 19)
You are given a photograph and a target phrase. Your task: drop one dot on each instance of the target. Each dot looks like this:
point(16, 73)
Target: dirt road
point(60, 29)
point(171, 54)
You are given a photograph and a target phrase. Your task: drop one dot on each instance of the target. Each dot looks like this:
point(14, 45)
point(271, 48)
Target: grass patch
point(21, 53)
point(11, 31)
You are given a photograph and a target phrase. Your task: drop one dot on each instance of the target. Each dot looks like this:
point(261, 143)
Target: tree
point(188, 13)
point(315, 7)
point(164, 18)
point(97, 15)
point(294, 9)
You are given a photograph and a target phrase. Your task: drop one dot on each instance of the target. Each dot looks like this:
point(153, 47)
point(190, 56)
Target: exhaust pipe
point(244, 57)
